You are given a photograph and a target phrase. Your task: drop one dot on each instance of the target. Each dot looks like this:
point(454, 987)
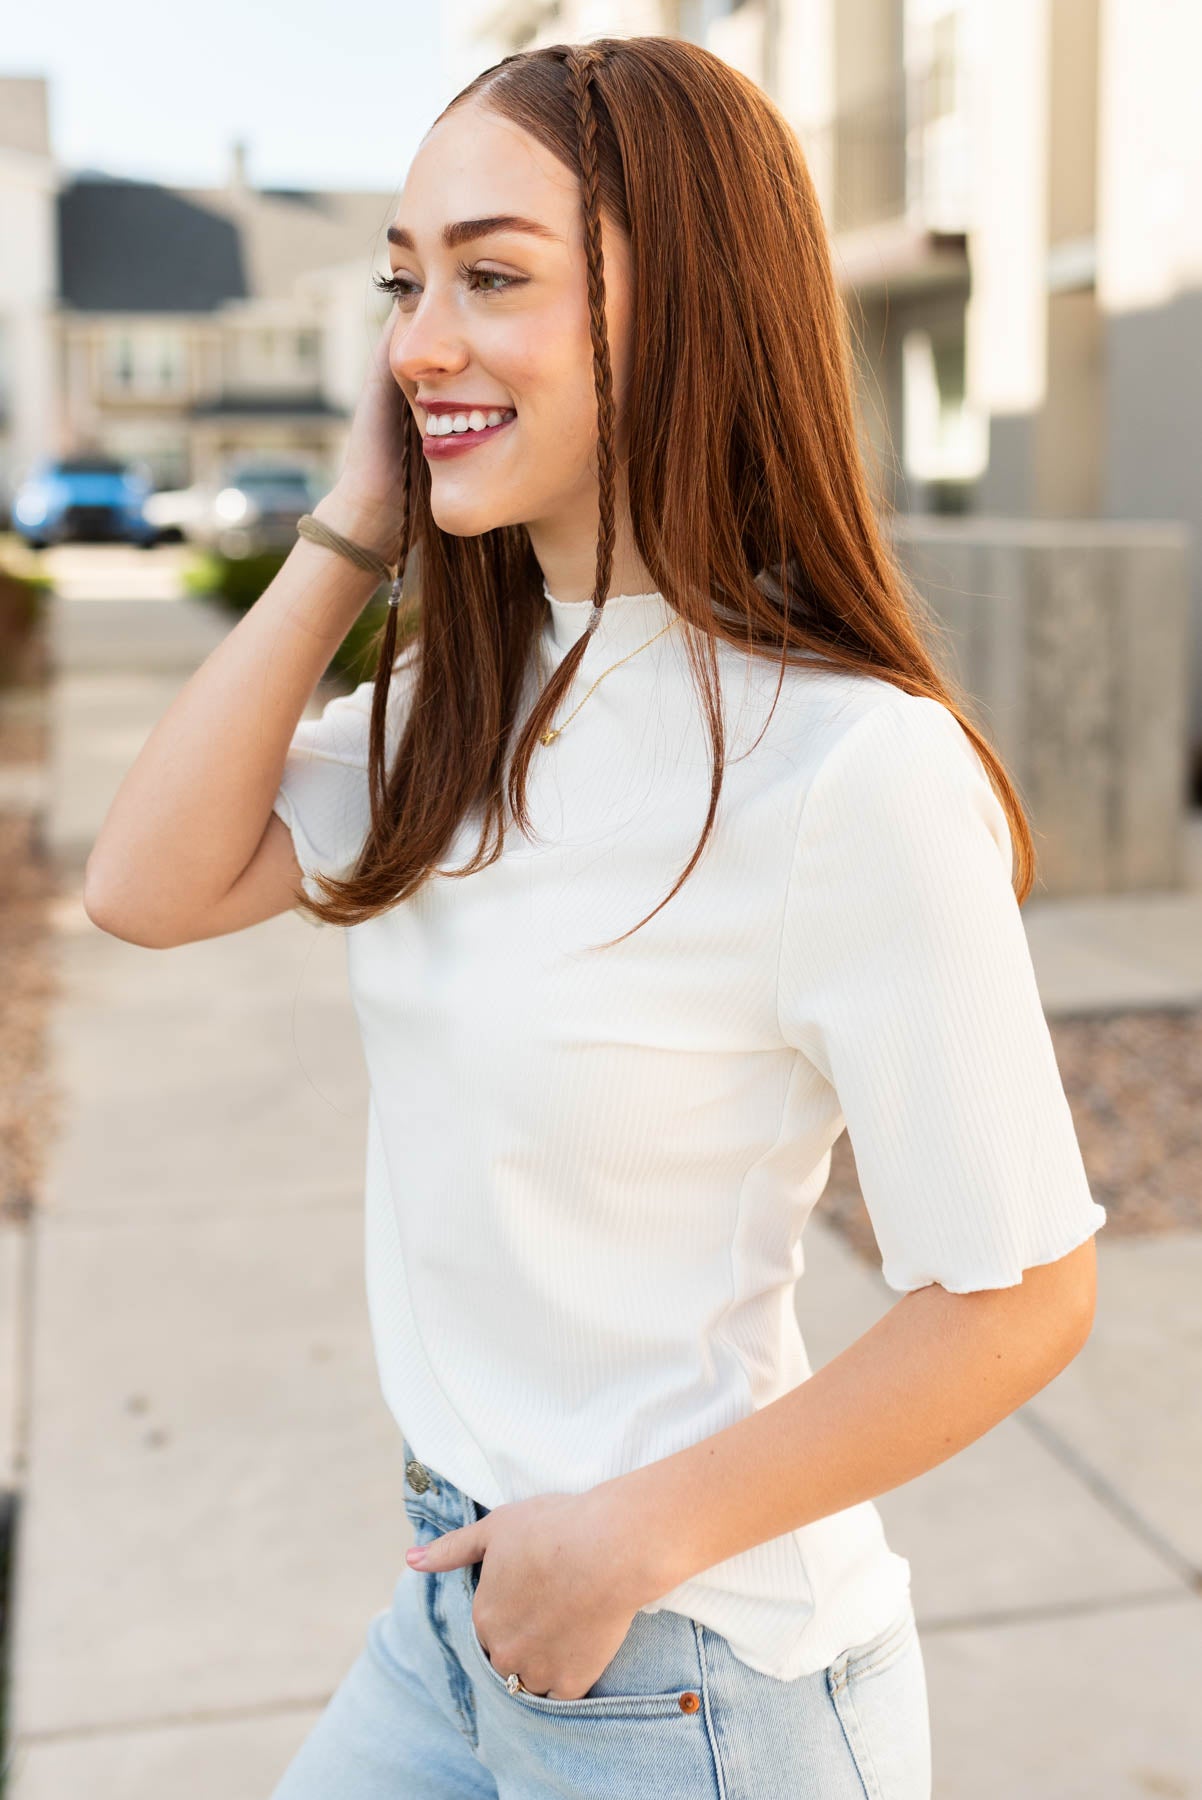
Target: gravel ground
point(29, 1099)
point(1134, 1087)
point(1133, 1079)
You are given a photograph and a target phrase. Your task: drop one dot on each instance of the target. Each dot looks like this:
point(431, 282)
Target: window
point(145, 361)
point(169, 357)
point(944, 435)
point(121, 362)
point(942, 91)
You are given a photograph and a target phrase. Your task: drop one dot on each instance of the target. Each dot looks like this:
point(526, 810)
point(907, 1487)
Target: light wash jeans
point(423, 1715)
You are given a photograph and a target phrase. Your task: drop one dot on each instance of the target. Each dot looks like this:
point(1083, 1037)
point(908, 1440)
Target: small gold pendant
point(545, 737)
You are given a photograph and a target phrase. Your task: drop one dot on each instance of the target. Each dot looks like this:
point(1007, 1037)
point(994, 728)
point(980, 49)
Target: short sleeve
point(906, 978)
point(323, 792)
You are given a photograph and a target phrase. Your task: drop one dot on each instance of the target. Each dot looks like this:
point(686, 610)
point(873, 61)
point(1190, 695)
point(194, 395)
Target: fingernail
point(416, 1555)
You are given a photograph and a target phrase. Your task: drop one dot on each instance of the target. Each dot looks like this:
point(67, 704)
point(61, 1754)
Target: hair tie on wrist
point(307, 526)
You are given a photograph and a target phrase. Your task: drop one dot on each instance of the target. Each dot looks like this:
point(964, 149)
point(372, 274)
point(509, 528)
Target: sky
point(325, 93)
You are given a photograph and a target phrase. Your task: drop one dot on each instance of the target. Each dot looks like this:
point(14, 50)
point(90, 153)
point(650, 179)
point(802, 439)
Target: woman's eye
point(401, 288)
point(392, 284)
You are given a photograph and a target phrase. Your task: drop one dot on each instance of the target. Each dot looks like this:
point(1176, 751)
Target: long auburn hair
point(747, 491)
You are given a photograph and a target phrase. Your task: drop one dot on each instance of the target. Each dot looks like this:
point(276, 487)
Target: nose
point(426, 342)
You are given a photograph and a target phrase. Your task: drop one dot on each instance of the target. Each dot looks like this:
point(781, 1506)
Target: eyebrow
point(467, 230)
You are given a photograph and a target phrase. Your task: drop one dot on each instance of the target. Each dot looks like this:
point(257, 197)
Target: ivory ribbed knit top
point(588, 1172)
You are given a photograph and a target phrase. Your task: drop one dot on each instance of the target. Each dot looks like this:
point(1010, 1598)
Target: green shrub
point(237, 582)
point(22, 611)
point(234, 582)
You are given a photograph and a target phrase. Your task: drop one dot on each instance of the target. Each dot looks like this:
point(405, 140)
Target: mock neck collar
point(627, 620)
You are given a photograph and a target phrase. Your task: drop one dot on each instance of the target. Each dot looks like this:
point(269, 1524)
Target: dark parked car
point(83, 499)
point(253, 507)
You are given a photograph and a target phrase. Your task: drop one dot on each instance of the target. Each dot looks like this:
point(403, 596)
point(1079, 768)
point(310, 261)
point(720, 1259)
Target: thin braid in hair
point(377, 767)
point(580, 63)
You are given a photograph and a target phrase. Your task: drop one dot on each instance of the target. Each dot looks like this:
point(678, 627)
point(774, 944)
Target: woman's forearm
point(192, 808)
point(931, 1376)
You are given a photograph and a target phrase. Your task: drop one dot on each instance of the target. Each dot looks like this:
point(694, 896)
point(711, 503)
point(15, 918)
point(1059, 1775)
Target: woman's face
point(502, 322)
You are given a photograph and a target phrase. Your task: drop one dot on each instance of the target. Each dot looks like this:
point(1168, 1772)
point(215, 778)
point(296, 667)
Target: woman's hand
point(369, 485)
point(552, 1604)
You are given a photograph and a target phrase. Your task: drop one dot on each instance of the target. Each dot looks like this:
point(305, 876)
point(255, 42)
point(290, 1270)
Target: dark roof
point(133, 246)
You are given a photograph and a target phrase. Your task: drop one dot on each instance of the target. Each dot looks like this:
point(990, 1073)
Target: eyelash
point(398, 285)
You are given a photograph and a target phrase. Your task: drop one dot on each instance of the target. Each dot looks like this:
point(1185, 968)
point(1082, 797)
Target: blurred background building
point(177, 327)
point(1007, 189)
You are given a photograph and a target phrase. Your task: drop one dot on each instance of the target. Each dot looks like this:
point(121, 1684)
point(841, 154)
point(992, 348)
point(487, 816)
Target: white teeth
point(446, 424)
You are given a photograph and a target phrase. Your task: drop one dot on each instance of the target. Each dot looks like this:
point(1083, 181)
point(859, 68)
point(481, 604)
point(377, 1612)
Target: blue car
point(83, 499)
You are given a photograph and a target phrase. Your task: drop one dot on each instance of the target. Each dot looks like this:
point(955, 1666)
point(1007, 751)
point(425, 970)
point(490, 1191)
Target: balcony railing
point(900, 154)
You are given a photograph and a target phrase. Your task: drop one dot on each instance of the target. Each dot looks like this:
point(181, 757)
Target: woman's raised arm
point(193, 811)
point(190, 846)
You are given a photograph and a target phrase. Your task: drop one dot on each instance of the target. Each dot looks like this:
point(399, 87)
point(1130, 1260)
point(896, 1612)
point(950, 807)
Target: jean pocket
point(614, 1694)
point(878, 1653)
point(879, 1692)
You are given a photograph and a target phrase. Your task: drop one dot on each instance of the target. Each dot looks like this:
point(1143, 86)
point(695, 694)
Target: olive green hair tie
point(317, 532)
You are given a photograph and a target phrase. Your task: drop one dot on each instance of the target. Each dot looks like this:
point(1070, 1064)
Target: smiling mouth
point(446, 443)
point(460, 437)
point(491, 417)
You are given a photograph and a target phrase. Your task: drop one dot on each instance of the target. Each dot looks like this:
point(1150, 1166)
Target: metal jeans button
point(417, 1475)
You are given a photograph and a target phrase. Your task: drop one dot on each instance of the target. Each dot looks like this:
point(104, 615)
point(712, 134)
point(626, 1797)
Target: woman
point(611, 419)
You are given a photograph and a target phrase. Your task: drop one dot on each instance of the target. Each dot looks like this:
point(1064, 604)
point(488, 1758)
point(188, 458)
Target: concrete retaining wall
point(1072, 639)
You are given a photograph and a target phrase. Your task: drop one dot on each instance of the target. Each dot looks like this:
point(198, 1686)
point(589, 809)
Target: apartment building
point(28, 276)
point(176, 327)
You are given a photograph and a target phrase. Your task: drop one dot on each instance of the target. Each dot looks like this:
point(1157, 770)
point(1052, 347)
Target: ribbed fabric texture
point(588, 1171)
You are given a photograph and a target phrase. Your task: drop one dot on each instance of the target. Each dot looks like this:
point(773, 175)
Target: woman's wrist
point(376, 528)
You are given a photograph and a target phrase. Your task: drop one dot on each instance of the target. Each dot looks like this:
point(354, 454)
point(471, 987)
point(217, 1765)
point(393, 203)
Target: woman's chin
point(466, 516)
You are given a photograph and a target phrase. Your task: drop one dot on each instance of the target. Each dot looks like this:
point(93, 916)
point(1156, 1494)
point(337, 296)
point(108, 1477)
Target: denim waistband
point(429, 1491)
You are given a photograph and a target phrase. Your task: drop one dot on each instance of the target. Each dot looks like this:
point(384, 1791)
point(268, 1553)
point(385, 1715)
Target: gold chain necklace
point(547, 737)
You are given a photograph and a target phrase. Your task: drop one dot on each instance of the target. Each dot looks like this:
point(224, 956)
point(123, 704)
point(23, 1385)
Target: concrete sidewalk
point(211, 1485)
